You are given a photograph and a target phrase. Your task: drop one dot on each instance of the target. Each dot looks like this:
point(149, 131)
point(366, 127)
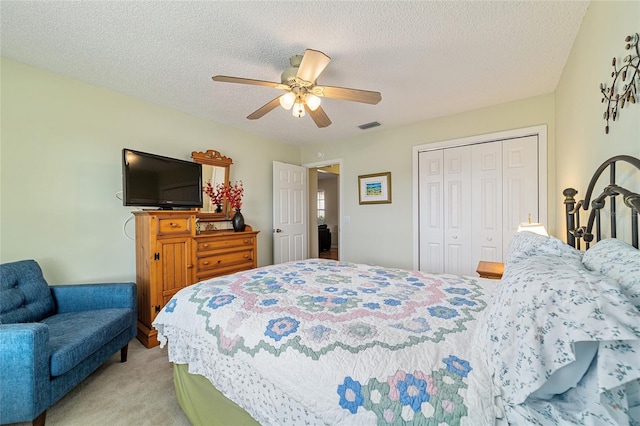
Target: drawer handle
point(189, 266)
point(206, 262)
point(205, 245)
point(219, 261)
point(246, 241)
point(173, 225)
point(246, 256)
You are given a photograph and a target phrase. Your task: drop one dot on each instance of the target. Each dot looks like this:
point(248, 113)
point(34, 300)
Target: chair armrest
point(24, 371)
point(88, 297)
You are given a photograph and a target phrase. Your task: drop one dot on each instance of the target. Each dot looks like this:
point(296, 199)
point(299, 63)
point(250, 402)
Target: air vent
point(369, 125)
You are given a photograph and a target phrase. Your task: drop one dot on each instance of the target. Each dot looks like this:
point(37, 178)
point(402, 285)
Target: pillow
point(526, 244)
point(582, 405)
point(619, 261)
point(633, 397)
point(543, 306)
point(569, 375)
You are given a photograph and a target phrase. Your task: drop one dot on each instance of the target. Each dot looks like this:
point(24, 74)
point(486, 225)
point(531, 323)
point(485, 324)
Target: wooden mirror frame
point(213, 158)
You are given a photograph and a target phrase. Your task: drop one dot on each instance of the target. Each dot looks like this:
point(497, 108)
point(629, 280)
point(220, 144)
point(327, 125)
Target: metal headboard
point(575, 232)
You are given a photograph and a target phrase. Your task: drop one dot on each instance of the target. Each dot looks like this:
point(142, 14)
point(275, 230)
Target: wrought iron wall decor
point(630, 68)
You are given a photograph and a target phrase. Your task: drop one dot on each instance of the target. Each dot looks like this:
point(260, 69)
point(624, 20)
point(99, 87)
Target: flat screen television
point(150, 180)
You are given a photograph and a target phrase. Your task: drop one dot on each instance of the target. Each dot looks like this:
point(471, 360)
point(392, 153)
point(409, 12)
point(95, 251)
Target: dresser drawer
point(225, 259)
point(217, 272)
point(174, 226)
point(226, 243)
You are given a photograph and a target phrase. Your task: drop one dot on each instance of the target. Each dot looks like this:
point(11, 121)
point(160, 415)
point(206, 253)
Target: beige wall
point(582, 144)
point(383, 233)
point(61, 169)
point(577, 144)
point(61, 142)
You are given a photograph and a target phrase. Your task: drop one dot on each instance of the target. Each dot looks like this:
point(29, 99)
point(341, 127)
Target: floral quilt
point(326, 342)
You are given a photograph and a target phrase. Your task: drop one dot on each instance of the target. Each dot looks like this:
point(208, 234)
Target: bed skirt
point(204, 404)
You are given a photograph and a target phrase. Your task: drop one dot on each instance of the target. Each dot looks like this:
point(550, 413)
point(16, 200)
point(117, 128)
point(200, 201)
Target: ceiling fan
point(303, 94)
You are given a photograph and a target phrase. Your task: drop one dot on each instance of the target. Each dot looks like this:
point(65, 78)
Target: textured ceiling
point(427, 58)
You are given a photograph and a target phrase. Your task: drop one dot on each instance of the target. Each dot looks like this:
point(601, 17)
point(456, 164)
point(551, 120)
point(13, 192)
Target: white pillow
point(526, 244)
point(542, 307)
point(619, 261)
point(568, 376)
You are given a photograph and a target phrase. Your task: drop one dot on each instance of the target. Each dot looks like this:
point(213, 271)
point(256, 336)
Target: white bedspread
point(326, 342)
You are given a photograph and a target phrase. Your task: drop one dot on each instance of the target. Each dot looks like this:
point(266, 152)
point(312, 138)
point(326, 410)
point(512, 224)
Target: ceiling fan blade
point(319, 116)
point(239, 80)
point(264, 109)
point(313, 63)
point(346, 94)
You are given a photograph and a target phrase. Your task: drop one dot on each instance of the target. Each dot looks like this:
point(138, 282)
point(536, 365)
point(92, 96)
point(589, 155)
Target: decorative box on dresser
point(170, 256)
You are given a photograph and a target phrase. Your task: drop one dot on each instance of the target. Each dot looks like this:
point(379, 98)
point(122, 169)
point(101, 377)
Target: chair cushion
point(73, 336)
point(24, 293)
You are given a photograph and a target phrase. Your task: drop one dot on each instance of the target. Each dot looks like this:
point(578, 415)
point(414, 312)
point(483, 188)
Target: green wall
point(582, 144)
point(383, 233)
point(577, 144)
point(61, 143)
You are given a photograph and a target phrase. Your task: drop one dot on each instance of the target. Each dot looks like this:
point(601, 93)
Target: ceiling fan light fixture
point(312, 101)
point(299, 82)
point(298, 110)
point(287, 100)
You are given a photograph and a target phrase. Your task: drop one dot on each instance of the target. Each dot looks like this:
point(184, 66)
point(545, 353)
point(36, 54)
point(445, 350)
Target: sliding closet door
point(520, 183)
point(457, 210)
point(486, 196)
point(430, 203)
point(472, 195)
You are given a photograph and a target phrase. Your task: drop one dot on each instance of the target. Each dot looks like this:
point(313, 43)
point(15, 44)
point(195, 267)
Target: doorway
point(325, 183)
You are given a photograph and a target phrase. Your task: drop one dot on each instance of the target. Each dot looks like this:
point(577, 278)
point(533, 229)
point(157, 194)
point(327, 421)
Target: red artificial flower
point(216, 194)
point(234, 194)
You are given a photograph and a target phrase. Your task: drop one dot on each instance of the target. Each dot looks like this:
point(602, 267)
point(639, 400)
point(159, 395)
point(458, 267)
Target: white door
point(289, 212)
point(457, 210)
point(486, 198)
point(471, 199)
point(520, 184)
point(431, 199)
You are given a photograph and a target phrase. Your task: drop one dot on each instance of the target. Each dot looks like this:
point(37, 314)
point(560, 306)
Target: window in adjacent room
point(321, 207)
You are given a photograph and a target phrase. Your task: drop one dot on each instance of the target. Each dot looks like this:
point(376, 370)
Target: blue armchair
point(53, 337)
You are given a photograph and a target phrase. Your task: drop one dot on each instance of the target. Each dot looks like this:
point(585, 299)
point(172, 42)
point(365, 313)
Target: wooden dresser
point(170, 256)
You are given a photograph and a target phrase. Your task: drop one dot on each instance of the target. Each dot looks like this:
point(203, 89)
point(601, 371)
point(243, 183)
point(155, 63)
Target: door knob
point(278, 230)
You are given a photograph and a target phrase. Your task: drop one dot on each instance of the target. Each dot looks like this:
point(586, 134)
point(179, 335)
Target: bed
point(556, 341)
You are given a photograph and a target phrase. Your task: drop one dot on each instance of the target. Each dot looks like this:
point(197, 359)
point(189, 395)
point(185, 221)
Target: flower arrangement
point(234, 193)
point(216, 194)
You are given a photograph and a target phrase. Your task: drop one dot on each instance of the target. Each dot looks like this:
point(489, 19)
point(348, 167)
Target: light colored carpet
point(137, 392)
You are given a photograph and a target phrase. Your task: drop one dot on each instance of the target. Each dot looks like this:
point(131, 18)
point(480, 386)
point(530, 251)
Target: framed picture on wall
point(375, 188)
